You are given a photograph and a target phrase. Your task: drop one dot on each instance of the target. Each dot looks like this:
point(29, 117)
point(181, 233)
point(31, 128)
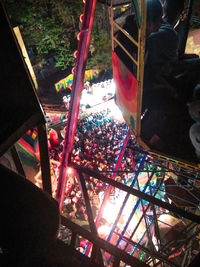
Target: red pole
point(113, 177)
point(132, 160)
point(99, 216)
point(77, 84)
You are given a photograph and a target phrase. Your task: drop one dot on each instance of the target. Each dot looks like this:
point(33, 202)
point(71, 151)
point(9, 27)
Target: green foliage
point(100, 55)
point(48, 27)
point(64, 56)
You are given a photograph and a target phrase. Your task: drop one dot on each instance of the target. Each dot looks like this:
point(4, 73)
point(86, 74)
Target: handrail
point(136, 63)
point(135, 192)
point(116, 252)
point(125, 33)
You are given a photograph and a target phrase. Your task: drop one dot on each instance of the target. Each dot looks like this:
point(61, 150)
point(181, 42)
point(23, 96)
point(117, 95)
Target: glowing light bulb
point(78, 36)
point(81, 18)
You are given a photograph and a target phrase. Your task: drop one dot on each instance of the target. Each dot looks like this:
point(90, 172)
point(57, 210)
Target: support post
point(44, 159)
point(80, 65)
point(112, 178)
point(17, 161)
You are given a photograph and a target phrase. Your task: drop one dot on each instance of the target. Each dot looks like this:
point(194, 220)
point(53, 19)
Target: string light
point(76, 53)
point(81, 18)
point(79, 36)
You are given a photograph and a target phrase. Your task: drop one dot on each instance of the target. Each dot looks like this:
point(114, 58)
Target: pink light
point(79, 36)
point(81, 18)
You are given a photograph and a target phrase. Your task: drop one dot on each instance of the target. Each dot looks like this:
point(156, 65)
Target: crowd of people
point(93, 94)
point(98, 141)
point(99, 137)
point(97, 145)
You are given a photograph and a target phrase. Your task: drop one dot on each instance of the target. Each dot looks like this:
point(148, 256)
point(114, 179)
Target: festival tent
point(67, 82)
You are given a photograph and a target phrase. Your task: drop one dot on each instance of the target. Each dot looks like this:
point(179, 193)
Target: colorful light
point(79, 36)
point(76, 53)
point(81, 18)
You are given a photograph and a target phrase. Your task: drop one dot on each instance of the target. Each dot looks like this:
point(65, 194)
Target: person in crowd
point(100, 132)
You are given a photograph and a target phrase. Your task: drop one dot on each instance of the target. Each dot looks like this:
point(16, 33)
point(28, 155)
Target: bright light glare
point(116, 112)
point(69, 171)
point(110, 212)
point(113, 87)
point(103, 231)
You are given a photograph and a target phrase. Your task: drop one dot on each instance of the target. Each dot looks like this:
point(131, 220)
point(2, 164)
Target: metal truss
point(162, 219)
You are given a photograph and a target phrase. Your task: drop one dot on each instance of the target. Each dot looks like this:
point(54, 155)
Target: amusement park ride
point(155, 217)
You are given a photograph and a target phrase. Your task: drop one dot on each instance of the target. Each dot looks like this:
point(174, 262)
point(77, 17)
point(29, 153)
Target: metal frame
point(140, 73)
point(75, 97)
point(161, 256)
point(36, 116)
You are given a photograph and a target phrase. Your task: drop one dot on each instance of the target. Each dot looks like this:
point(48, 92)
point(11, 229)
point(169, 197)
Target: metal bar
point(166, 159)
point(116, 252)
point(140, 60)
point(147, 226)
point(155, 219)
point(137, 225)
point(133, 162)
point(134, 210)
point(17, 161)
point(126, 33)
point(132, 191)
point(123, 205)
point(186, 27)
point(75, 96)
point(179, 198)
point(96, 255)
point(87, 203)
point(112, 30)
point(95, 251)
point(152, 253)
point(125, 50)
point(186, 242)
point(100, 213)
point(133, 250)
point(44, 158)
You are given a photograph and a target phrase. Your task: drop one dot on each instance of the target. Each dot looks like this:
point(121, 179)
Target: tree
point(49, 27)
point(100, 55)
point(100, 52)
